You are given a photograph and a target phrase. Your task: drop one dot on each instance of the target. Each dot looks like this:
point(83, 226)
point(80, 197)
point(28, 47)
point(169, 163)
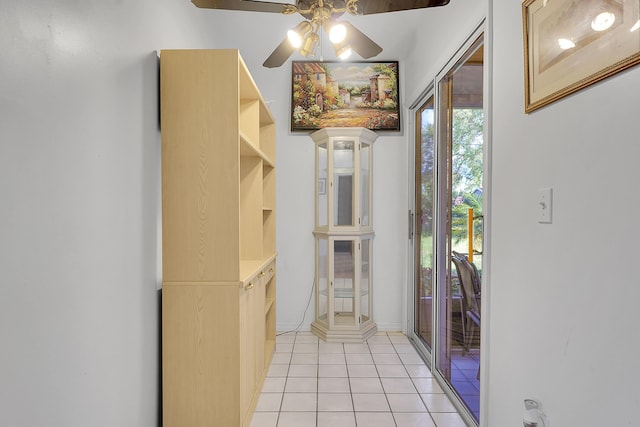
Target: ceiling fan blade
point(360, 43)
point(279, 55)
point(369, 7)
point(246, 5)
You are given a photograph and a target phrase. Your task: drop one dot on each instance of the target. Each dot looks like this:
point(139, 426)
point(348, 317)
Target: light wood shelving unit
point(218, 238)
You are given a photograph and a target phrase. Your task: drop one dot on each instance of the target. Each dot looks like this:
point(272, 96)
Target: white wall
point(440, 33)
point(563, 295)
point(79, 209)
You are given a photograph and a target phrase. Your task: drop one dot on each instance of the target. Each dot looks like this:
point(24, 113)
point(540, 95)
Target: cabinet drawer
point(252, 282)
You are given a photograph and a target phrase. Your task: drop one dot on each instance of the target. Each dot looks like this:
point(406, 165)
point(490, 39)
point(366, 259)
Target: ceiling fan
point(324, 14)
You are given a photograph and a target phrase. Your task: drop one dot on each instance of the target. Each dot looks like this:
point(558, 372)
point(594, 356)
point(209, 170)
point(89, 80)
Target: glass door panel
point(444, 333)
point(424, 154)
point(322, 274)
point(365, 280)
point(343, 166)
point(343, 283)
point(460, 138)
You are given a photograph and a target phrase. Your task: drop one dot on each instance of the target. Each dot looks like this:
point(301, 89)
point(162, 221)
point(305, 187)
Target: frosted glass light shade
point(296, 35)
point(337, 33)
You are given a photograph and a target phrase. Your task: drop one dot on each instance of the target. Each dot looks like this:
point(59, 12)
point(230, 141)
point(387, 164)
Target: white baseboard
point(390, 327)
point(305, 327)
point(285, 327)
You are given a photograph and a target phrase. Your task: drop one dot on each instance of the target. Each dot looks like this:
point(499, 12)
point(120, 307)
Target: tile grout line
point(383, 389)
point(416, 388)
point(348, 378)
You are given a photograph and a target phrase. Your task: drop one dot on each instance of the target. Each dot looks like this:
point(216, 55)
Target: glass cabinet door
point(343, 167)
point(322, 204)
point(322, 274)
point(343, 283)
point(365, 279)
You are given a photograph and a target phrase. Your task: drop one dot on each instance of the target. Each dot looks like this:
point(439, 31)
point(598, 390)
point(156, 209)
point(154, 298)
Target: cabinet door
point(200, 325)
point(248, 374)
point(258, 319)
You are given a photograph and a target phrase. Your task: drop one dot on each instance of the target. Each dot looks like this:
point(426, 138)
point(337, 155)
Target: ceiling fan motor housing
point(319, 10)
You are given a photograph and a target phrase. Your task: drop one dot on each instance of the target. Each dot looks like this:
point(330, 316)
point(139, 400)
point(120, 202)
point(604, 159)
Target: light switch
point(544, 205)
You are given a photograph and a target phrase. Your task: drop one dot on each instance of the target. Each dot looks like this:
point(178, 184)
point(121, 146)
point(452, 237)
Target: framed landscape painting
point(345, 94)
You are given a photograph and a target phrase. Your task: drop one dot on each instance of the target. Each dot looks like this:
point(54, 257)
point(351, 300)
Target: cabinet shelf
point(248, 149)
point(343, 293)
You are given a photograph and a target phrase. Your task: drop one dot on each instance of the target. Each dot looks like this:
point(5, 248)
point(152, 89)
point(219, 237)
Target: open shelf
point(267, 139)
point(248, 149)
point(249, 122)
point(251, 208)
point(269, 186)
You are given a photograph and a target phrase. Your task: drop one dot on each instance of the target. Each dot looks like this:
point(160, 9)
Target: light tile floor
point(381, 383)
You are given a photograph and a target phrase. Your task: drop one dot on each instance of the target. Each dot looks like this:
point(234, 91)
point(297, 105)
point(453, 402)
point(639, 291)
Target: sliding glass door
point(448, 225)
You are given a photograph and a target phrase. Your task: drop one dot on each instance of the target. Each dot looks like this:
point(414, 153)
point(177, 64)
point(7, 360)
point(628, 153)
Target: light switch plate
point(545, 205)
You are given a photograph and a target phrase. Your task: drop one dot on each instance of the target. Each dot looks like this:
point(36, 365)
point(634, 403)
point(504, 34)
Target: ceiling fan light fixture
point(297, 34)
point(343, 50)
point(310, 43)
point(345, 53)
point(337, 33)
point(320, 14)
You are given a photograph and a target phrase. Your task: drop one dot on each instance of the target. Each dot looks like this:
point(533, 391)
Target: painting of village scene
point(345, 94)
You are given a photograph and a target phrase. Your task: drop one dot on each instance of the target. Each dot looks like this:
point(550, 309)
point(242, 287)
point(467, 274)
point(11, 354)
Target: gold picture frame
point(571, 44)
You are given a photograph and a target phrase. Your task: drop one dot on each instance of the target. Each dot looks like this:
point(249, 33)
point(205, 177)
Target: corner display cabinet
point(218, 239)
point(343, 234)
